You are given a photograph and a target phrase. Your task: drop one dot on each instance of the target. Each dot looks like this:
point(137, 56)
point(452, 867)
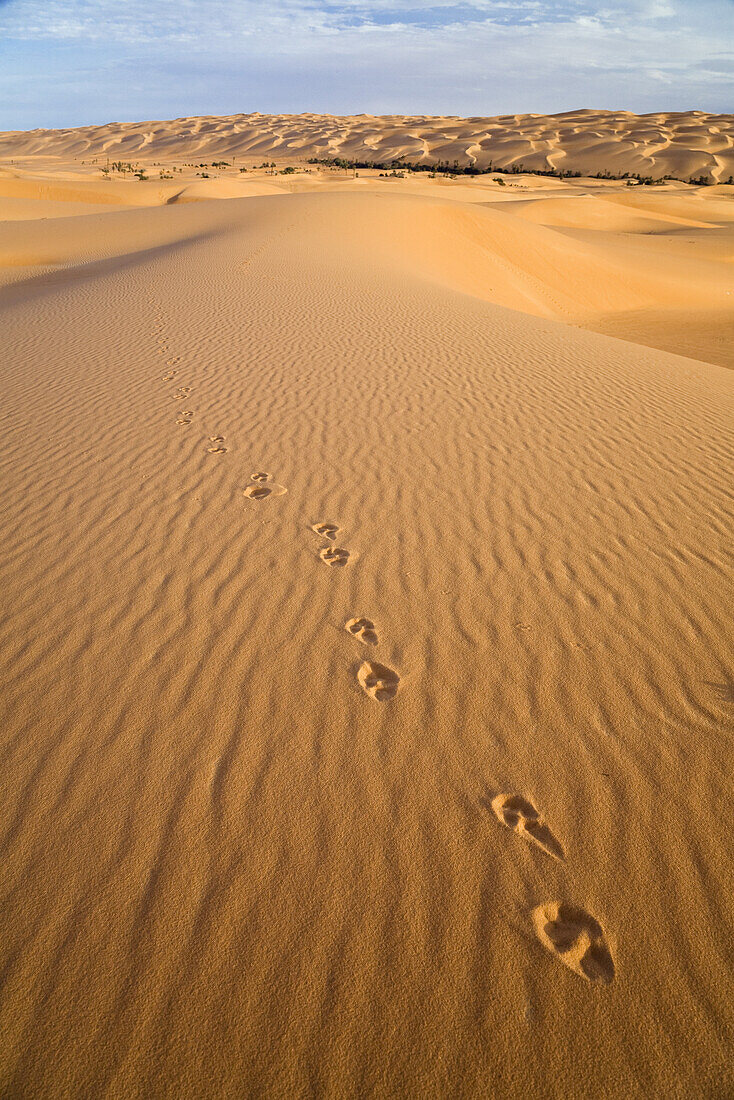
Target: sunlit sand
point(366, 630)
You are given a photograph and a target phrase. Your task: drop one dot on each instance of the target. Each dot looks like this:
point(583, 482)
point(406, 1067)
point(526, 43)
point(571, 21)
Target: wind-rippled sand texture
point(409, 777)
point(684, 144)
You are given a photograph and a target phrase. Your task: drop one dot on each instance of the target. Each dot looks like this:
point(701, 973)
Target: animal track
point(183, 391)
point(184, 417)
point(521, 816)
point(216, 445)
point(326, 530)
point(334, 555)
point(260, 477)
point(378, 681)
point(363, 629)
point(576, 938)
point(170, 376)
point(261, 492)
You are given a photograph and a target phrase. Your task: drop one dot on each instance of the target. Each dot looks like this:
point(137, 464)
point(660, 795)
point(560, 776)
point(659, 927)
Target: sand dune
point(367, 661)
point(634, 269)
point(684, 144)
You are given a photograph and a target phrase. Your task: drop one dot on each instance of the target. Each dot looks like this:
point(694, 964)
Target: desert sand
point(684, 144)
point(366, 621)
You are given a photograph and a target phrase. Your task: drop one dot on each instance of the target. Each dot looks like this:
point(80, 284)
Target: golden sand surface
point(683, 143)
point(368, 676)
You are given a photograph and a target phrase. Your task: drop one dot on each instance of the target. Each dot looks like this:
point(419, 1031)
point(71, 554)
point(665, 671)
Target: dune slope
point(367, 679)
point(644, 275)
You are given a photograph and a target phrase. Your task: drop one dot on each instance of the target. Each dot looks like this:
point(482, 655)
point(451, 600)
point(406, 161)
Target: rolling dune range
point(653, 265)
point(368, 677)
point(684, 144)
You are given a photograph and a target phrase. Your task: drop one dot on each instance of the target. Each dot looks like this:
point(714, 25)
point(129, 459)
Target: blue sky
point(72, 62)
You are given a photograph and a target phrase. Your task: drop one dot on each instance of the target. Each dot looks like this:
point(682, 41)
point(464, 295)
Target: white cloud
point(457, 56)
point(212, 20)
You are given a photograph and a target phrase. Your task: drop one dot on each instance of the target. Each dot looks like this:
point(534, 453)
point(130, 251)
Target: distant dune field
point(685, 144)
point(365, 617)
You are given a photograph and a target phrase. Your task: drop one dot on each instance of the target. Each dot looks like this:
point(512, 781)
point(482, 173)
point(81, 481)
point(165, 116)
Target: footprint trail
point(363, 629)
point(326, 530)
point(261, 491)
point(577, 939)
point(519, 814)
point(378, 681)
point(334, 555)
